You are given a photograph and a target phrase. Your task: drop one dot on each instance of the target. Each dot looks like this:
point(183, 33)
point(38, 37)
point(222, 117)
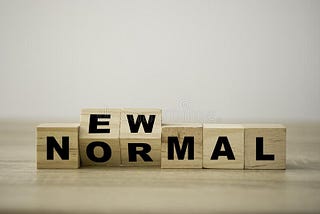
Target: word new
point(137, 137)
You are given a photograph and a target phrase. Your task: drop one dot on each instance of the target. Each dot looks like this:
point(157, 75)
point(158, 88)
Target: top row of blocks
point(117, 117)
point(126, 133)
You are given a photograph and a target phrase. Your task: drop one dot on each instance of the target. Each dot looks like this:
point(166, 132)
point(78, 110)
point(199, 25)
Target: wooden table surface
point(24, 189)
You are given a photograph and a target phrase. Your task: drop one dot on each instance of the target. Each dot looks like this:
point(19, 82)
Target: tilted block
point(265, 146)
point(140, 137)
point(100, 137)
point(57, 146)
point(181, 146)
point(223, 146)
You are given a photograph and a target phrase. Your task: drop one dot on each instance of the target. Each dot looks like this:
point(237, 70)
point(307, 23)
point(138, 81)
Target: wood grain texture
point(112, 138)
point(58, 130)
point(235, 136)
point(274, 142)
point(181, 131)
point(152, 190)
point(152, 138)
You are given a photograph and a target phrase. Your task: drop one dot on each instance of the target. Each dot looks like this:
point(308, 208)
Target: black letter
point(63, 151)
point(173, 142)
point(132, 151)
point(147, 126)
point(93, 125)
point(227, 149)
point(106, 151)
point(259, 150)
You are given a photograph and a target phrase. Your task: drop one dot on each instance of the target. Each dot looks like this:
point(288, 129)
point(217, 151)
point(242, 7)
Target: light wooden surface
point(24, 189)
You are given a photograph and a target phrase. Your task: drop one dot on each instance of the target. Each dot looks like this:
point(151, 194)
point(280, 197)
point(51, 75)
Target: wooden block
point(100, 137)
point(140, 137)
point(57, 146)
point(223, 146)
point(265, 146)
point(181, 146)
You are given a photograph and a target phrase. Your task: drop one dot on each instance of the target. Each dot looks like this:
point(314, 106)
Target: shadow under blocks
point(137, 137)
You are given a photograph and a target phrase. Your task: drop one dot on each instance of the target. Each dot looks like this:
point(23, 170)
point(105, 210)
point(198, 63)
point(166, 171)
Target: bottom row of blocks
point(220, 146)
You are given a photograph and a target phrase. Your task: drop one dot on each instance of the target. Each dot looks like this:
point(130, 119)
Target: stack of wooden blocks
point(137, 137)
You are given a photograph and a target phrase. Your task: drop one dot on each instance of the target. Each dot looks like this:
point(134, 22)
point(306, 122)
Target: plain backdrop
point(197, 60)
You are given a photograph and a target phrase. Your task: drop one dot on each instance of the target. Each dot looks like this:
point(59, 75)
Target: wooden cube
point(140, 137)
point(265, 146)
point(57, 146)
point(100, 137)
point(181, 146)
point(223, 146)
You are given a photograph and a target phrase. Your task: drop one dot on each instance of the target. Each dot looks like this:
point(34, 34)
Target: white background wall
point(197, 60)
